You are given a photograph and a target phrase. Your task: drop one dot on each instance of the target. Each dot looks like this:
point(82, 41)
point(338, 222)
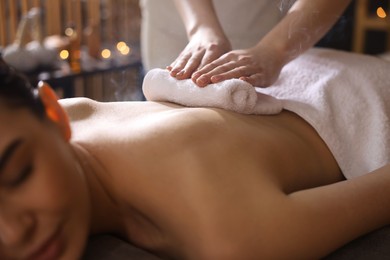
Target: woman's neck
point(105, 213)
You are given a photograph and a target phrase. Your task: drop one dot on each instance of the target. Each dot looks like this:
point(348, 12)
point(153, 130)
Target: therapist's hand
point(203, 48)
point(259, 66)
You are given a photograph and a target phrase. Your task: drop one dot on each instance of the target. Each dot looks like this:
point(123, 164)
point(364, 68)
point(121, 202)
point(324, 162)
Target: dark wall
point(341, 35)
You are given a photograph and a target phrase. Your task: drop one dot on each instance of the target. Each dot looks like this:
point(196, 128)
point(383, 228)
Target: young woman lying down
point(199, 183)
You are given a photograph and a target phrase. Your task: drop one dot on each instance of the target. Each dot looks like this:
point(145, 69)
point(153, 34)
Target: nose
point(15, 228)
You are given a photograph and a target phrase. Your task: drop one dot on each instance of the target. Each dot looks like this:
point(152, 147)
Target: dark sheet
point(373, 246)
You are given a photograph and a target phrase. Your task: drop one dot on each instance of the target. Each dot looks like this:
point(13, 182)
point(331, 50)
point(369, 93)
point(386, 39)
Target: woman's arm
point(198, 15)
point(207, 40)
point(307, 224)
point(304, 24)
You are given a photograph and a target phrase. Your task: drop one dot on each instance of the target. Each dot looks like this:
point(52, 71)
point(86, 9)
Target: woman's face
point(44, 202)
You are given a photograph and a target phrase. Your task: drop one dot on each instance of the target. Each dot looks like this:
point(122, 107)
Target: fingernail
point(201, 80)
point(173, 73)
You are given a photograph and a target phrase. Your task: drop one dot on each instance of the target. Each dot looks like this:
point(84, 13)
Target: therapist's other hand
point(259, 66)
point(202, 49)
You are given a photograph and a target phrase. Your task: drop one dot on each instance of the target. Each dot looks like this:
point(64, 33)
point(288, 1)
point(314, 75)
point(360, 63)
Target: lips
point(49, 250)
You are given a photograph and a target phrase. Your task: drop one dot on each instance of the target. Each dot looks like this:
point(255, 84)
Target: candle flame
point(381, 12)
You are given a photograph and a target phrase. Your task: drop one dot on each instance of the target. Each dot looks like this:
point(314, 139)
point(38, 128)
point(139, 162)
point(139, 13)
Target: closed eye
point(8, 152)
point(20, 177)
point(15, 164)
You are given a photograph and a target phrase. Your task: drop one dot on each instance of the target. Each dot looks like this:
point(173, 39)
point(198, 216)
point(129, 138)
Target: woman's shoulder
point(78, 108)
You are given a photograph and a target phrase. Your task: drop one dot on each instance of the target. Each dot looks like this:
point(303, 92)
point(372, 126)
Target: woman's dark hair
point(16, 91)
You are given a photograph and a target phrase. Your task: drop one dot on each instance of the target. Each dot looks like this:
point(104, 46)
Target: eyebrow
point(8, 151)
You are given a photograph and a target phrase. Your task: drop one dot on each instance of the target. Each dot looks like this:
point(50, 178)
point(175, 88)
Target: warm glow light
point(121, 46)
point(126, 50)
point(380, 12)
point(69, 31)
point(106, 53)
point(64, 54)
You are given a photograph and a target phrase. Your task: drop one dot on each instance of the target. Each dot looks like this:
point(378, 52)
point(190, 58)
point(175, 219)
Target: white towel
point(235, 95)
point(346, 98)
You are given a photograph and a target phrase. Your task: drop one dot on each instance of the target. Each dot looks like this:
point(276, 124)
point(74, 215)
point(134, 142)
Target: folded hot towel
point(235, 95)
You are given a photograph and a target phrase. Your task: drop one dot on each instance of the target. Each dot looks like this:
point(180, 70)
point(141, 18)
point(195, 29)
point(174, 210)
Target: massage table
point(373, 246)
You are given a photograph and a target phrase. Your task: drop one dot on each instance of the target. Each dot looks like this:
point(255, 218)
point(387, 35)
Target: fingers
point(257, 78)
point(185, 64)
point(234, 73)
point(223, 72)
point(178, 64)
point(256, 73)
point(206, 67)
point(191, 65)
point(228, 66)
point(202, 77)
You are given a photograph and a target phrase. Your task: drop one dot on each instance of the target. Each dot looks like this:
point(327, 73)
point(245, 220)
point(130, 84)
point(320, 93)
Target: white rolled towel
point(234, 94)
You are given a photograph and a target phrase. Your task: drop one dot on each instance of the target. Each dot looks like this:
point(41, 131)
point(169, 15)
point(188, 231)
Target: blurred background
point(364, 28)
point(92, 47)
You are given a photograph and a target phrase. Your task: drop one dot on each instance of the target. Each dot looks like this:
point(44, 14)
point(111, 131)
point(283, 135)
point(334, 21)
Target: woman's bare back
point(197, 170)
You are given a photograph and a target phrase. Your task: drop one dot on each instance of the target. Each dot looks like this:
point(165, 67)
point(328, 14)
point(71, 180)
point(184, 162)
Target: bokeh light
point(64, 54)
point(106, 53)
point(381, 12)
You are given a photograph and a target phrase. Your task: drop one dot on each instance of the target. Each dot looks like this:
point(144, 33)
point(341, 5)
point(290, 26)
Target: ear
point(54, 110)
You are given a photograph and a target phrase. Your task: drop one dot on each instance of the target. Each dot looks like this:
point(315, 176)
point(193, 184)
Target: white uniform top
point(163, 35)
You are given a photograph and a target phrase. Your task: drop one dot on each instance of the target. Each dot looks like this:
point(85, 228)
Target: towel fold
point(235, 95)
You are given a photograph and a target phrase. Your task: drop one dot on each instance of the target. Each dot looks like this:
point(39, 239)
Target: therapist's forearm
point(198, 15)
point(304, 25)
